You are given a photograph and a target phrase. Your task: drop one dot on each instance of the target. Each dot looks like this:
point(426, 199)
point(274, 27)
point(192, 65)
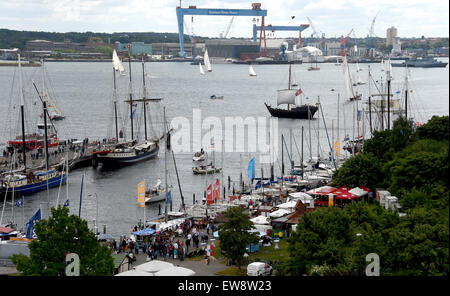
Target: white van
point(259, 269)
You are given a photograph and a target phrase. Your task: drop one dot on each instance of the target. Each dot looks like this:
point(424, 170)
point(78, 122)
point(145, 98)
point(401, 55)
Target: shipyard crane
point(224, 35)
point(318, 36)
point(371, 36)
point(314, 33)
point(343, 41)
point(191, 37)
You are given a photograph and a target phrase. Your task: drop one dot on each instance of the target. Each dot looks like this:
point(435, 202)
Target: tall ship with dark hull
point(123, 153)
point(288, 96)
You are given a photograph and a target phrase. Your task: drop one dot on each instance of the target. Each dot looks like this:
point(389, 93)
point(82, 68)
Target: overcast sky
point(412, 18)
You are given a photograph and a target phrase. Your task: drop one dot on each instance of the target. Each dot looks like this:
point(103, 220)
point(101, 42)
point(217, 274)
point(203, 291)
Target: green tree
point(59, 235)
point(436, 128)
point(379, 145)
point(235, 236)
point(104, 49)
point(359, 170)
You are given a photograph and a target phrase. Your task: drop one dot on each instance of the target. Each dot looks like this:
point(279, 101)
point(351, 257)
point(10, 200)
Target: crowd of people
point(184, 240)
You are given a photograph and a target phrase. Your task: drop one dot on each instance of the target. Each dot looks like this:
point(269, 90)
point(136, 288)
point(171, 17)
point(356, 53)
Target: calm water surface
point(84, 94)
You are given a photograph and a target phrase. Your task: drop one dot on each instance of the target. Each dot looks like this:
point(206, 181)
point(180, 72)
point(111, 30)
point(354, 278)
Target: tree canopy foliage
point(235, 236)
point(412, 163)
point(59, 235)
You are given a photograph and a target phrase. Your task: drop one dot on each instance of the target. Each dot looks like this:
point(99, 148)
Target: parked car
point(259, 269)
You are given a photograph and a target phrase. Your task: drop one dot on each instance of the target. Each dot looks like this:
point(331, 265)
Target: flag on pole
point(337, 147)
point(359, 115)
point(66, 204)
point(30, 225)
point(169, 197)
point(251, 169)
point(209, 195)
point(141, 194)
point(298, 92)
point(19, 202)
point(217, 190)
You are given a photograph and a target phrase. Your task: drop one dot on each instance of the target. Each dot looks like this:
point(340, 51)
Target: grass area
point(233, 271)
point(270, 253)
point(264, 253)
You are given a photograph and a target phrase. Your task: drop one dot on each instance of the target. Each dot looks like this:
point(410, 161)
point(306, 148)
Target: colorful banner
point(141, 194)
point(209, 195)
point(251, 169)
point(337, 147)
point(30, 225)
point(217, 190)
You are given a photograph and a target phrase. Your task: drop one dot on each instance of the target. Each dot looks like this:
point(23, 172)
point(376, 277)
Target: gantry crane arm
point(228, 28)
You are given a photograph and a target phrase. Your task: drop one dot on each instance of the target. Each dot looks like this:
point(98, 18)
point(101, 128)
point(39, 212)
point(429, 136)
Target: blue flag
point(19, 202)
point(397, 92)
point(168, 197)
point(251, 169)
point(30, 225)
point(66, 204)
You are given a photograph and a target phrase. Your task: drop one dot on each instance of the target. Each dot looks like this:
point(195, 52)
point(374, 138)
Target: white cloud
point(333, 17)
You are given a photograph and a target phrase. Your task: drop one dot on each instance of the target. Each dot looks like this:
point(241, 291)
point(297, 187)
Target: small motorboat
point(155, 194)
point(214, 97)
point(199, 156)
point(203, 170)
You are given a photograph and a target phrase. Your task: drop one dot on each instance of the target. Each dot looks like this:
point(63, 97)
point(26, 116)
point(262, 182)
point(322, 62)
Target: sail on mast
point(207, 61)
point(251, 71)
point(117, 63)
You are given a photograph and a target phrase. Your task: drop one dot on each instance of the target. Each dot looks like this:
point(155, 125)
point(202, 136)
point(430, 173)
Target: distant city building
point(232, 48)
point(9, 54)
point(137, 48)
point(67, 45)
point(170, 49)
point(397, 46)
point(391, 33)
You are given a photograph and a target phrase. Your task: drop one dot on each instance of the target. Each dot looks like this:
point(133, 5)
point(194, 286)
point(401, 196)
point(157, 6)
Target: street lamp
point(359, 235)
point(96, 219)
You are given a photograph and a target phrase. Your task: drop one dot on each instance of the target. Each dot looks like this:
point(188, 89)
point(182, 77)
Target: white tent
point(298, 195)
point(279, 213)
point(261, 220)
point(175, 271)
point(288, 205)
point(358, 191)
point(154, 266)
point(134, 272)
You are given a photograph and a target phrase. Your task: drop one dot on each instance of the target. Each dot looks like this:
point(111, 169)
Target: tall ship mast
point(128, 152)
point(288, 96)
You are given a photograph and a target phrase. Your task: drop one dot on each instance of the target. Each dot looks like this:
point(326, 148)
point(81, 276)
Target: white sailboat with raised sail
point(348, 82)
point(53, 111)
point(202, 72)
point(251, 71)
point(117, 63)
point(207, 61)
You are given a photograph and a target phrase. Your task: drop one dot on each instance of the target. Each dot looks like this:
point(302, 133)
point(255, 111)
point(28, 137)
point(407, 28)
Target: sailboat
point(129, 152)
point(201, 69)
point(207, 61)
point(311, 68)
point(251, 71)
point(155, 194)
point(118, 63)
point(288, 96)
point(348, 82)
point(27, 181)
point(358, 77)
point(53, 111)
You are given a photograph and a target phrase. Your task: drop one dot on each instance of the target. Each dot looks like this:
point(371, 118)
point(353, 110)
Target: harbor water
point(84, 94)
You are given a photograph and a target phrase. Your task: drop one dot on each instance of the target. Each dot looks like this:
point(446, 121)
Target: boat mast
point(165, 167)
point(289, 85)
point(131, 96)
point(406, 93)
point(22, 114)
point(370, 104)
point(388, 97)
point(115, 105)
point(144, 101)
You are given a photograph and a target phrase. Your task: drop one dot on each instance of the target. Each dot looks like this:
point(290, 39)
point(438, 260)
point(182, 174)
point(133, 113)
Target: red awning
point(6, 229)
point(346, 196)
point(325, 190)
point(365, 188)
